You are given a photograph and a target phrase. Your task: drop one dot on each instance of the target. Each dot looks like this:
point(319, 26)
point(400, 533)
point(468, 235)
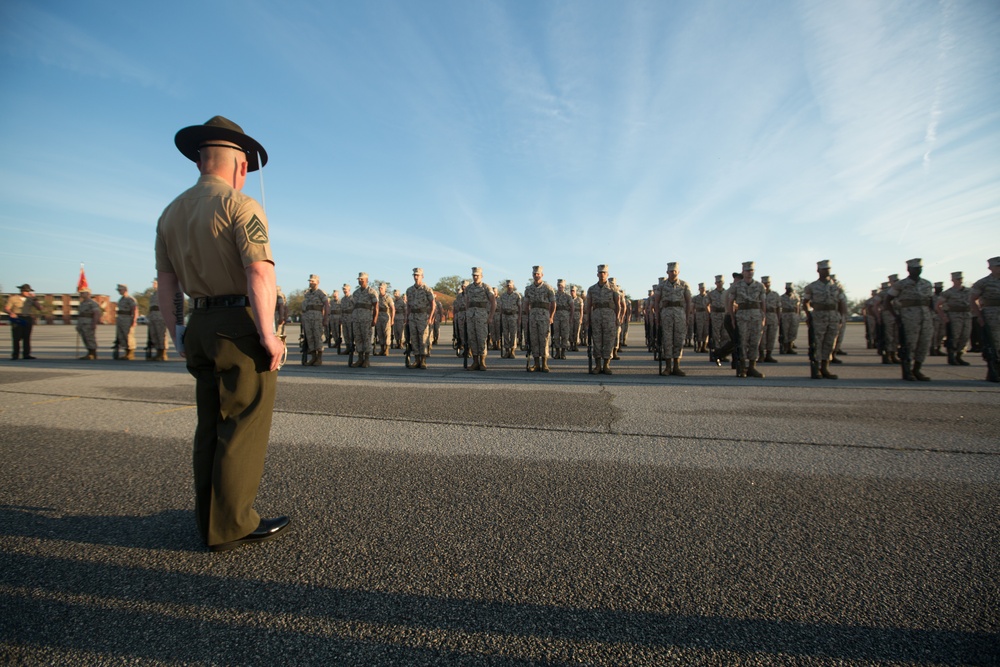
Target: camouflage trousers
point(700, 328)
point(720, 336)
point(477, 325)
point(749, 320)
point(334, 328)
point(509, 330)
point(88, 332)
point(673, 330)
point(840, 333)
point(992, 316)
point(538, 325)
point(398, 326)
point(347, 329)
point(790, 327)
point(891, 331)
point(960, 326)
point(125, 332)
point(770, 335)
point(382, 329)
point(825, 326)
point(419, 333)
point(459, 325)
point(560, 339)
point(917, 327)
point(157, 330)
point(603, 332)
point(312, 327)
point(361, 331)
point(576, 330)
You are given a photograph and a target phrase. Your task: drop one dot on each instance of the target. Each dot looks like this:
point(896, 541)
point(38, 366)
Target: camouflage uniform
point(383, 327)
point(602, 306)
point(479, 306)
point(86, 326)
point(347, 319)
point(156, 327)
point(458, 318)
point(398, 322)
point(717, 315)
point(956, 303)
point(576, 325)
point(912, 300)
point(772, 319)
point(985, 294)
point(539, 302)
point(749, 299)
point(335, 320)
point(871, 321)
point(125, 324)
point(889, 326)
point(417, 314)
point(826, 301)
point(672, 297)
point(314, 307)
point(365, 302)
point(700, 303)
point(561, 323)
point(509, 307)
point(789, 319)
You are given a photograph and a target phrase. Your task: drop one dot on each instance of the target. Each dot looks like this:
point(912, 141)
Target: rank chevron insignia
point(256, 231)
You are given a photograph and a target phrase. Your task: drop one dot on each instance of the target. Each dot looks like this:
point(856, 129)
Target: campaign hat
point(189, 139)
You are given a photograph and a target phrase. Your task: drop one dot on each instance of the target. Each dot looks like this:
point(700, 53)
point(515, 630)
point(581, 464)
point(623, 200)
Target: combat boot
point(596, 368)
point(606, 368)
point(545, 365)
point(422, 362)
point(364, 359)
point(791, 350)
point(917, 374)
point(835, 360)
point(769, 359)
point(482, 362)
point(814, 370)
point(474, 366)
point(824, 370)
point(90, 356)
point(535, 368)
point(665, 370)
point(907, 371)
point(959, 361)
point(614, 355)
point(161, 354)
point(753, 372)
point(991, 375)
point(319, 358)
point(893, 358)
point(951, 357)
point(129, 355)
point(741, 368)
point(677, 369)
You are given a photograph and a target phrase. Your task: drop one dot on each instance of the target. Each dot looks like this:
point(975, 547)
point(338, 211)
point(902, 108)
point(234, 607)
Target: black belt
point(227, 301)
point(152, 308)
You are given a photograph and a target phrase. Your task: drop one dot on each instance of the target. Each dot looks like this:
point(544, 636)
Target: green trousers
point(235, 396)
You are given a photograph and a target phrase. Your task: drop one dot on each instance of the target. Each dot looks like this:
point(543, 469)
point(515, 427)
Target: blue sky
point(448, 134)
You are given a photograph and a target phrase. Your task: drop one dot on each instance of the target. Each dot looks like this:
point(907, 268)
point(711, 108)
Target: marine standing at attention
point(539, 306)
point(911, 299)
point(156, 326)
point(420, 309)
point(604, 308)
point(126, 317)
point(213, 240)
point(315, 311)
point(88, 316)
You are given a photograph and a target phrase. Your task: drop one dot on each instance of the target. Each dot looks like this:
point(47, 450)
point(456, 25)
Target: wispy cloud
point(30, 32)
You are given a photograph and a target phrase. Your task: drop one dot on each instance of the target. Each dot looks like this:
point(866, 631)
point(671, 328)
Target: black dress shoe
point(267, 529)
point(28, 356)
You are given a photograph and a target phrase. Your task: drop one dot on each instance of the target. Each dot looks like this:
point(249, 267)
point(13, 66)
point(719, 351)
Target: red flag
point(81, 284)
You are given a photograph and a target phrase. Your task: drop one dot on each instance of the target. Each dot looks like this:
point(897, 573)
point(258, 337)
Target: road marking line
point(56, 400)
point(163, 412)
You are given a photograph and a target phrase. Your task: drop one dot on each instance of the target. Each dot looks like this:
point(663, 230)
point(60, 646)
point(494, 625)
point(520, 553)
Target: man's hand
point(275, 349)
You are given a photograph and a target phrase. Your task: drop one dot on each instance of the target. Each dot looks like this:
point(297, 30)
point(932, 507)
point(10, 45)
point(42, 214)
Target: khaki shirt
point(209, 235)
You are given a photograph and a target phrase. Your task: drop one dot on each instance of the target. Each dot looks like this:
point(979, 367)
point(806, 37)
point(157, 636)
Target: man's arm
point(263, 292)
point(171, 300)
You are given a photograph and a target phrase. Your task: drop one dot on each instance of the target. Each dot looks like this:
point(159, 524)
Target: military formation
point(906, 320)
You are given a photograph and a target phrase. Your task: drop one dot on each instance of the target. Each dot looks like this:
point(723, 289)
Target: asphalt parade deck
point(503, 518)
